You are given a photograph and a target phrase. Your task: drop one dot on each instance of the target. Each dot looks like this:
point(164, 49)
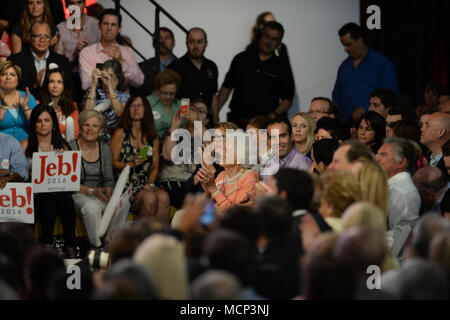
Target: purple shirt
point(293, 160)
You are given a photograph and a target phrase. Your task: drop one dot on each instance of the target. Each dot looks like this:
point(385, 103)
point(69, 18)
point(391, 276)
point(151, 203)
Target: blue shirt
point(14, 122)
point(12, 157)
point(110, 116)
point(353, 86)
point(293, 160)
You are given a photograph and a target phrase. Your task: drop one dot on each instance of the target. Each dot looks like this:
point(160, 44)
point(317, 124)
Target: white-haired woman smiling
point(235, 184)
point(97, 180)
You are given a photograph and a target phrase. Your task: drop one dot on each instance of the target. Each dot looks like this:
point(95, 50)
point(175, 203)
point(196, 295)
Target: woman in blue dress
point(15, 105)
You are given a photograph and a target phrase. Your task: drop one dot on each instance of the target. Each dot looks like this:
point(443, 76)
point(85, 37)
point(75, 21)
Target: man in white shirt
point(398, 158)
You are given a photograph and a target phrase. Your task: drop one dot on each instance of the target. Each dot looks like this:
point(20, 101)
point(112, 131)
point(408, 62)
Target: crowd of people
point(303, 209)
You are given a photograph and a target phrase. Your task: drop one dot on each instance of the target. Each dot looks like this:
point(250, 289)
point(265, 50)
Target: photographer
point(107, 94)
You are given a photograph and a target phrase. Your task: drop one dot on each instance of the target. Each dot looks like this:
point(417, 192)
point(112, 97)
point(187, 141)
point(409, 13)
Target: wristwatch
point(91, 190)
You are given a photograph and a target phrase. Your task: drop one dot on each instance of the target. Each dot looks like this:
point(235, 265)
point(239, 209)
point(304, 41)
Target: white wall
point(310, 34)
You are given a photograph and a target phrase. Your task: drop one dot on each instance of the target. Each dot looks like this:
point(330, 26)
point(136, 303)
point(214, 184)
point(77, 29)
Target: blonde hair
point(226, 125)
point(164, 256)
point(374, 184)
point(309, 128)
point(341, 189)
point(87, 114)
point(5, 65)
point(365, 213)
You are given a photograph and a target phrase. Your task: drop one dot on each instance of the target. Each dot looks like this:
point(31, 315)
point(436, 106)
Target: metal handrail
point(168, 15)
point(154, 35)
point(120, 37)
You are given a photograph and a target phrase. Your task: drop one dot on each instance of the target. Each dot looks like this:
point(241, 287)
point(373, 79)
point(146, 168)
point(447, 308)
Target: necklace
point(83, 148)
point(9, 106)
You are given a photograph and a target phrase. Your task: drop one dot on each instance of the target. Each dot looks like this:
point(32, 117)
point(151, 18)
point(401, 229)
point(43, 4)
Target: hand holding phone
point(208, 216)
point(184, 106)
point(144, 152)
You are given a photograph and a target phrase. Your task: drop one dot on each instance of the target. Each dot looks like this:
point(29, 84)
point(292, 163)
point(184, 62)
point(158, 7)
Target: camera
point(98, 259)
point(100, 66)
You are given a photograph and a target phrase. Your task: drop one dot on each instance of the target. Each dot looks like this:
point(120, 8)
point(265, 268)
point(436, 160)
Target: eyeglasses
point(317, 112)
point(199, 110)
point(41, 36)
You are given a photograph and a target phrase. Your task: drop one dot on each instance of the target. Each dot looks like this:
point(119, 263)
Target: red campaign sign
point(56, 172)
point(16, 203)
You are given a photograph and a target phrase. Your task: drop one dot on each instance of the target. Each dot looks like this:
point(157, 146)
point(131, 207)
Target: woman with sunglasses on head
point(46, 137)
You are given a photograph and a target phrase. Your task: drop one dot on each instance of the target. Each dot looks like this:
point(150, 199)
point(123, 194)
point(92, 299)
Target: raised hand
point(24, 101)
point(96, 74)
point(176, 119)
point(114, 52)
point(81, 44)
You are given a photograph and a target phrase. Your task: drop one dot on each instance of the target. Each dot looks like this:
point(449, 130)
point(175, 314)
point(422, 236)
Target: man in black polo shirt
point(198, 74)
point(263, 83)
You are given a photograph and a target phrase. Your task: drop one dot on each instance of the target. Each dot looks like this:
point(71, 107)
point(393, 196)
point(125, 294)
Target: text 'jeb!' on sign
point(56, 172)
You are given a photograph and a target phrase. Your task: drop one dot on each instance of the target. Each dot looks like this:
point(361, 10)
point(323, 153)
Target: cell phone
point(208, 215)
point(144, 152)
point(100, 66)
point(184, 106)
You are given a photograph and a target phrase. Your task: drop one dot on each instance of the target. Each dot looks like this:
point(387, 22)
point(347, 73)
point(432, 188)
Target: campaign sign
point(119, 219)
point(16, 203)
point(56, 172)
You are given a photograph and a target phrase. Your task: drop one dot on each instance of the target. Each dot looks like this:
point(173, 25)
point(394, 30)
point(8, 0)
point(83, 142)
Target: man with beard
point(262, 82)
point(279, 131)
point(151, 67)
point(198, 74)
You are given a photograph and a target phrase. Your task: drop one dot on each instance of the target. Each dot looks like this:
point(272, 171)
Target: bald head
point(429, 179)
point(430, 182)
point(435, 131)
point(441, 121)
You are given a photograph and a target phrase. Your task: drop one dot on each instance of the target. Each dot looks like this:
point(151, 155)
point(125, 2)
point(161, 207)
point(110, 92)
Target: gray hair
point(404, 149)
point(87, 114)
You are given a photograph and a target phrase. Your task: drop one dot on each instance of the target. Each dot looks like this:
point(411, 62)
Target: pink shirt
point(233, 191)
point(70, 38)
point(95, 53)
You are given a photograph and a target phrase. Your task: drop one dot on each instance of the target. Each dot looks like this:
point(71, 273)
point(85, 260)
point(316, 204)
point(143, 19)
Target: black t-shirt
point(258, 85)
point(196, 83)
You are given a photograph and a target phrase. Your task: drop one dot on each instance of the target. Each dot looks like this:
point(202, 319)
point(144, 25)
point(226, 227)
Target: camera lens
point(98, 259)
